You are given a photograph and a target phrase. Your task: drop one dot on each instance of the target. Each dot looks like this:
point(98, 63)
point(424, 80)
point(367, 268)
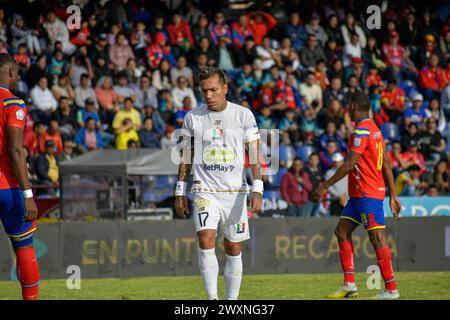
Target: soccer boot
point(344, 291)
point(387, 295)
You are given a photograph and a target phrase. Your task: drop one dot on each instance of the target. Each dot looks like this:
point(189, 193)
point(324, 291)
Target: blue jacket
point(80, 138)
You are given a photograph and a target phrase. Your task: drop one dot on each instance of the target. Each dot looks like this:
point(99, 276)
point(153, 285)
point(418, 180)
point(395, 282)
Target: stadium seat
point(272, 194)
point(446, 132)
point(286, 153)
point(274, 181)
point(304, 151)
point(165, 182)
point(408, 86)
point(390, 131)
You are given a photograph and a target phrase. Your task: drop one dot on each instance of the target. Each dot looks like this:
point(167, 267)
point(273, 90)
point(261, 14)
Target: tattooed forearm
point(254, 153)
point(186, 159)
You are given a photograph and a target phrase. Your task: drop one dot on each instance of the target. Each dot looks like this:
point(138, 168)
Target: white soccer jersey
point(219, 147)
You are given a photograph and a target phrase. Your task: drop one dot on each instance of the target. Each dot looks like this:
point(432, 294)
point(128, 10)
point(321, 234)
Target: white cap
point(417, 97)
point(337, 157)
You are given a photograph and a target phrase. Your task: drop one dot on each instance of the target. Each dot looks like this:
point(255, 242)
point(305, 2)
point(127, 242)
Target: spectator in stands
point(43, 101)
point(296, 31)
point(158, 123)
point(68, 151)
point(133, 72)
point(352, 50)
point(333, 31)
point(181, 91)
point(66, 118)
point(393, 100)
point(88, 136)
point(219, 29)
point(350, 27)
point(338, 193)
point(411, 133)
point(326, 156)
point(227, 59)
point(159, 26)
point(181, 69)
point(240, 30)
point(396, 158)
point(47, 167)
point(334, 92)
point(314, 27)
point(261, 23)
point(22, 58)
point(22, 35)
point(264, 119)
point(161, 78)
point(267, 55)
point(311, 93)
point(89, 111)
point(57, 31)
point(441, 177)
point(201, 29)
point(432, 79)
point(108, 100)
point(140, 38)
point(52, 133)
point(434, 111)
point(416, 113)
point(167, 141)
point(63, 88)
point(312, 52)
point(148, 137)
point(295, 189)
point(130, 113)
point(180, 34)
point(84, 92)
point(412, 156)
point(408, 182)
point(123, 90)
point(431, 142)
point(120, 52)
point(331, 134)
point(80, 65)
point(146, 94)
point(125, 134)
point(289, 123)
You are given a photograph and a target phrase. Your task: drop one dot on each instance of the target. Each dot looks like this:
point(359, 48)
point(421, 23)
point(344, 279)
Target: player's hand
point(31, 210)
point(396, 207)
point(256, 202)
point(181, 207)
point(319, 192)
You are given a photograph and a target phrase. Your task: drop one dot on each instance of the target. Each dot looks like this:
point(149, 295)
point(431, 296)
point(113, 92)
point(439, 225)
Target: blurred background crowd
point(128, 75)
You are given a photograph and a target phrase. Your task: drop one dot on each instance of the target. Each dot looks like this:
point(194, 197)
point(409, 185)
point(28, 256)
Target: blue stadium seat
point(165, 182)
point(304, 151)
point(446, 132)
point(272, 194)
point(150, 197)
point(286, 153)
point(274, 181)
point(408, 86)
point(390, 131)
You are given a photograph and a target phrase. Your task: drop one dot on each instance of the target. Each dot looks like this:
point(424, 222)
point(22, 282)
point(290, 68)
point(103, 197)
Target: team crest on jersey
point(377, 135)
point(217, 133)
point(20, 115)
point(357, 142)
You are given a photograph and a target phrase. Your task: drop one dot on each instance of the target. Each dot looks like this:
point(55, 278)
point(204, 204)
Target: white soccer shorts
point(229, 210)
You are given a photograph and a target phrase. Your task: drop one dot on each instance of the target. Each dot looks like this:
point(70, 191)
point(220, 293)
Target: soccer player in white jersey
point(215, 137)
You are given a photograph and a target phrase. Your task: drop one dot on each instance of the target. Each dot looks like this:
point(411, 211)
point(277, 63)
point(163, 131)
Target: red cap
point(393, 34)
point(357, 60)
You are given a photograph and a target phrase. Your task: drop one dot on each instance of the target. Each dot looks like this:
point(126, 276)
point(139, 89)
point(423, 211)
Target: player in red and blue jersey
point(18, 210)
point(368, 168)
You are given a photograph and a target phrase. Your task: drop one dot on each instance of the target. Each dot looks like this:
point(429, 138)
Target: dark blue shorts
point(12, 212)
point(365, 211)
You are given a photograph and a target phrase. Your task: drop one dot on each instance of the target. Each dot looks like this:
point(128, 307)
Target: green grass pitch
point(412, 285)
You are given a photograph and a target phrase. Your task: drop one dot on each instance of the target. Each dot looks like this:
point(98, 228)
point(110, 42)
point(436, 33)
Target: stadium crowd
point(128, 75)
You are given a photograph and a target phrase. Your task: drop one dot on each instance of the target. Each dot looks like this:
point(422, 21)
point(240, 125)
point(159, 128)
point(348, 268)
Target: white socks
point(233, 276)
point(209, 268)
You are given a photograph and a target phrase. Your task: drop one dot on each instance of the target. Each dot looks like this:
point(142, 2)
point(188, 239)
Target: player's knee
point(232, 248)
point(341, 234)
point(206, 241)
point(377, 239)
